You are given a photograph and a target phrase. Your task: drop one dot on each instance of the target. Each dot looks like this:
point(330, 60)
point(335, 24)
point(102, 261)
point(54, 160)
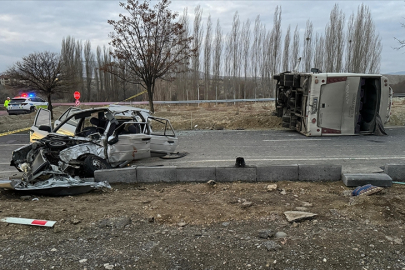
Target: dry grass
point(256, 115)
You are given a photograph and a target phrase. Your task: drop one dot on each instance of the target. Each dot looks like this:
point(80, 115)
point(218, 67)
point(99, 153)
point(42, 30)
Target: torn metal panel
point(78, 150)
point(20, 155)
point(6, 184)
point(59, 185)
point(39, 163)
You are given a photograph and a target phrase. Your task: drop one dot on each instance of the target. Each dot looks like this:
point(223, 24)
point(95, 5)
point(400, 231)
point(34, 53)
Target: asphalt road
point(354, 153)
point(220, 148)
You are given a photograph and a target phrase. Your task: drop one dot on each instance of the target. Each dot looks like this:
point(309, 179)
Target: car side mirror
point(45, 128)
point(112, 140)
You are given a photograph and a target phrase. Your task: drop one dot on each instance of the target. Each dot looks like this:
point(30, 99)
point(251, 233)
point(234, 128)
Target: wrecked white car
point(83, 141)
point(125, 133)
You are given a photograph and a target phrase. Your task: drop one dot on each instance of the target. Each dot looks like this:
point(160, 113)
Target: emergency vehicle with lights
point(330, 104)
point(25, 103)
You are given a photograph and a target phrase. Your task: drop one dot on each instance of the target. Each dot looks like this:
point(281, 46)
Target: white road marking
point(20, 144)
point(292, 159)
point(292, 140)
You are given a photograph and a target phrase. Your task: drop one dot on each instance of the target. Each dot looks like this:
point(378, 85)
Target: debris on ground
point(211, 182)
point(271, 187)
point(366, 190)
point(28, 221)
point(293, 216)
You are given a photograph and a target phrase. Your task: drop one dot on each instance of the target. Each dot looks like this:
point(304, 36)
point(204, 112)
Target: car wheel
point(56, 145)
point(32, 109)
point(93, 163)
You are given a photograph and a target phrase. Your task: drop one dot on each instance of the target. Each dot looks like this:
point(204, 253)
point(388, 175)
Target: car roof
point(123, 108)
point(114, 109)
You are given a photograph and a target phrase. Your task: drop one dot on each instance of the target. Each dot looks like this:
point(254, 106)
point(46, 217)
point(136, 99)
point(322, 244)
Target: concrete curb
point(395, 171)
point(119, 175)
point(277, 173)
point(361, 179)
point(171, 174)
point(319, 172)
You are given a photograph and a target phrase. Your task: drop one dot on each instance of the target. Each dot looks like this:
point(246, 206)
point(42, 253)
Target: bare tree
point(150, 42)
point(375, 58)
point(364, 50)
point(41, 71)
point(228, 64)
point(207, 57)
point(72, 66)
point(217, 57)
point(235, 44)
point(286, 52)
point(276, 37)
point(245, 39)
point(79, 65)
point(257, 52)
point(334, 41)
point(266, 64)
point(100, 64)
point(108, 69)
point(295, 49)
point(308, 46)
point(89, 67)
point(184, 76)
point(197, 41)
point(319, 48)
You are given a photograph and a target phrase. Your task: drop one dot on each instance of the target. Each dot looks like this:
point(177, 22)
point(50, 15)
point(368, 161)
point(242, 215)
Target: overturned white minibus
point(327, 104)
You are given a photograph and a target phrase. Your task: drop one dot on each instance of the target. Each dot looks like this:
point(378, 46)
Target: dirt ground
point(203, 226)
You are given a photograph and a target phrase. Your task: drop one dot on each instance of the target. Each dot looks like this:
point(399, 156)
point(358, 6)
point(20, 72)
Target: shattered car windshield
point(84, 125)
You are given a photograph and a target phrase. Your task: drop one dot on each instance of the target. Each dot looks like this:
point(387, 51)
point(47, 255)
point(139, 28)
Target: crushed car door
point(163, 139)
point(41, 126)
point(127, 143)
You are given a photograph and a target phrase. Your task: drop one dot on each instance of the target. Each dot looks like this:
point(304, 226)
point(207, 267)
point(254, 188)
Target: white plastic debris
point(28, 221)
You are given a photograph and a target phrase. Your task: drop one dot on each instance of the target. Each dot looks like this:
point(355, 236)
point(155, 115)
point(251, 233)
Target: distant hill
point(397, 73)
point(397, 82)
point(394, 79)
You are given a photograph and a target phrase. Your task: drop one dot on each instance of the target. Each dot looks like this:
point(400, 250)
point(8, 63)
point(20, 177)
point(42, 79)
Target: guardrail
point(168, 102)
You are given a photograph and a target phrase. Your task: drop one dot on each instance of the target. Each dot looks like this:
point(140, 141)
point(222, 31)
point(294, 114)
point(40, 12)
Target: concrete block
point(195, 174)
point(395, 171)
point(156, 174)
point(119, 175)
point(361, 179)
point(231, 174)
point(319, 172)
point(277, 173)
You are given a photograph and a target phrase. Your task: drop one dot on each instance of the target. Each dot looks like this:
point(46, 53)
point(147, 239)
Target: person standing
point(6, 102)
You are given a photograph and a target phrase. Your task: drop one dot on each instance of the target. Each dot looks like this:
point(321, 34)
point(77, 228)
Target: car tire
point(93, 163)
point(32, 109)
point(56, 145)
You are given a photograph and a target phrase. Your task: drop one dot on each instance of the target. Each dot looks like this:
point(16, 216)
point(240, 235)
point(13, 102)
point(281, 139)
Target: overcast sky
point(35, 26)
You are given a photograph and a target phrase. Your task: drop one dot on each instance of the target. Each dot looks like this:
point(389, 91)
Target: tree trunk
point(50, 104)
point(150, 96)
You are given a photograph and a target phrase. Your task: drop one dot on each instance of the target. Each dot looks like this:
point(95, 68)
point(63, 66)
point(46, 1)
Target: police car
point(25, 104)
